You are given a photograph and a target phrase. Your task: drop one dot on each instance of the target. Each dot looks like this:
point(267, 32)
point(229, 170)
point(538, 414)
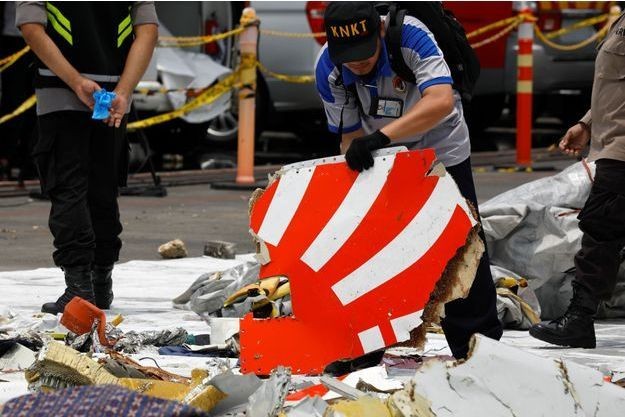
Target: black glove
point(358, 156)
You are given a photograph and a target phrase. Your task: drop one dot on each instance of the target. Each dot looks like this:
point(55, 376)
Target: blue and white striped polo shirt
point(450, 138)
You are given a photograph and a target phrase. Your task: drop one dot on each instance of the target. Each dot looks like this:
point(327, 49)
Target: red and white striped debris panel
point(363, 252)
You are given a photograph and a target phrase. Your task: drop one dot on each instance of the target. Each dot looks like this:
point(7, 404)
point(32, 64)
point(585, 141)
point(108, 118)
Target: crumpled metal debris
point(374, 380)
point(134, 368)
point(362, 407)
point(173, 249)
point(59, 366)
point(16, 358)
point(31, 339)
point(341, 388)
point(517, 304)
point(501, 380)
point(370, 380)
point(268, 400)
point(270, 297)
point(121, 370)
point(346, 241)
point(129, 342)
point(204, 395)
point(209, 292)
point(132, 341)
point(237, 388)
point(308, 407)
point(13, 322)
point(86, 342)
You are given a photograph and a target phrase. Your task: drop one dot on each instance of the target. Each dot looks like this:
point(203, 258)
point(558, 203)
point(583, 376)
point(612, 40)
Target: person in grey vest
point(82, 48)
point(371, 107)
point(602, 218)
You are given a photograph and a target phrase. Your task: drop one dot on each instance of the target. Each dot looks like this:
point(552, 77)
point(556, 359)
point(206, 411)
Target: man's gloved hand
point(358, 156)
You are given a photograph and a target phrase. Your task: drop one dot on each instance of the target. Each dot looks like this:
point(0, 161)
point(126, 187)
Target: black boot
point(101, 276)
point(78, 283)
point(576, 327)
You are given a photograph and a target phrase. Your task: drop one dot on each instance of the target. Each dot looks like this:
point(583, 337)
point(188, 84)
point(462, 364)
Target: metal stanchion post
point(524, 93)
point(248, 44)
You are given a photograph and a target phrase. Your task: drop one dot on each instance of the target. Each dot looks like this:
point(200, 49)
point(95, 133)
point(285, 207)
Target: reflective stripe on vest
point(60, 23)
point(124, 30)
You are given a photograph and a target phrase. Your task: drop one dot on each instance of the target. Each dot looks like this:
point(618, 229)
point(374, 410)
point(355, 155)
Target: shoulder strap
point(393, 44)
point(348, 88)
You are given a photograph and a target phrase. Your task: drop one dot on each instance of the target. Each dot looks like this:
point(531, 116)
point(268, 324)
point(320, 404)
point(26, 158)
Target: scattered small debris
point(268, 399)
point(364, 406)
point(173, 249)
point(15, 357)
point(220, 249)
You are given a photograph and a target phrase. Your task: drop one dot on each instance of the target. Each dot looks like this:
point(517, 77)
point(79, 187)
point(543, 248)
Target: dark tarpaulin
point(96, 401)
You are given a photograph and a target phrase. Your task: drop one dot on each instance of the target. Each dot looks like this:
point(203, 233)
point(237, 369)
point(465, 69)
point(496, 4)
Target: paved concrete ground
point(194, 214)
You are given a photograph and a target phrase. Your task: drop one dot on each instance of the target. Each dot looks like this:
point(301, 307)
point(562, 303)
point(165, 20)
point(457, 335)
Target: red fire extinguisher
point(211, 27)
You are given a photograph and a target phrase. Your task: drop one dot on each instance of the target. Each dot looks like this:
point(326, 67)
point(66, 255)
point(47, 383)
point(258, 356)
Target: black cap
point(352, 29)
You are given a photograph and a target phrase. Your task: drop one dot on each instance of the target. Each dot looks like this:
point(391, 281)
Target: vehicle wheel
point(225, 127)
point(137, 157)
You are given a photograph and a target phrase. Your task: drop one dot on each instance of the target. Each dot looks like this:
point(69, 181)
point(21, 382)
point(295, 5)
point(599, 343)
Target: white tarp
point(180, 68)
point(532, 230)
point(143, 293)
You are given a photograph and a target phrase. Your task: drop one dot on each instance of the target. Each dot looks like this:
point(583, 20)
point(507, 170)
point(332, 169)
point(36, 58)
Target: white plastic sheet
point(532, 230)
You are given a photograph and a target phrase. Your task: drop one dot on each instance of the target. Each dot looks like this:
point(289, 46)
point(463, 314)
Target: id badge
point(390, 107)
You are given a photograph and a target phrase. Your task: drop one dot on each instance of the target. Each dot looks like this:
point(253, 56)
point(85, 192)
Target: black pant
point(81, 164)
point(603, 222)
point(478, 312)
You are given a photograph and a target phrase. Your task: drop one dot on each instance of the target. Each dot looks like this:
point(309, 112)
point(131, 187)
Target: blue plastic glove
point(103, 100)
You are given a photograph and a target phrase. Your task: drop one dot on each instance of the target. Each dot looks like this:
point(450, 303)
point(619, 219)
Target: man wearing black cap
point(370, 106)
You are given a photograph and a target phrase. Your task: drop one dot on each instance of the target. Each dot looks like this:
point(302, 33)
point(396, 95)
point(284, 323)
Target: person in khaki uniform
point(603, 217)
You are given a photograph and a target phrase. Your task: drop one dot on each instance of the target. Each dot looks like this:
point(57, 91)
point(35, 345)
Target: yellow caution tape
point(247, 67)
point(498, 35)
point(493, 26)
point(270, 32)
point(579, 25)
point(188, 41)
point(298, 79)
point(600, 34)
point(208, 96)
point(513, 22)
point(21, 109)
point(11, 59)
